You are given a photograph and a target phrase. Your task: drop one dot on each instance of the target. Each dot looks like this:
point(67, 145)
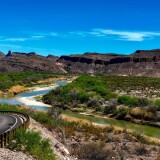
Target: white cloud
point(14, 39)
point(37, 37)
point(106, 33)
point(117, 35)
point(21, 39)
point(127, 35)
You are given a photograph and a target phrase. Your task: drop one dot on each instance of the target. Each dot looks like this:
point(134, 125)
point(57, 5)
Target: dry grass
point(17, 89)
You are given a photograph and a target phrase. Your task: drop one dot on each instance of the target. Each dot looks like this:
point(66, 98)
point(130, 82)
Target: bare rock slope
point(139, 63)
point(20, 62)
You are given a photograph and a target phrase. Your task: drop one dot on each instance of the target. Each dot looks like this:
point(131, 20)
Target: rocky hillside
point(20, 62)
point(142, 62)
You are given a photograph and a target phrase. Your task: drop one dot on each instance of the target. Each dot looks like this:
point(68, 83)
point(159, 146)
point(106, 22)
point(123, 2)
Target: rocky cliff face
point(140, 63)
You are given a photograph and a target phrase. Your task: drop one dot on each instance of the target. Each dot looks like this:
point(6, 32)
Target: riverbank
point(106, 116)
point(119, 129)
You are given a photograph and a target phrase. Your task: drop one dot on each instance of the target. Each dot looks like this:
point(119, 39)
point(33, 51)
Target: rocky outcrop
point(20, 62)
point(2, 54)
point(54, 58)
point(9, 54)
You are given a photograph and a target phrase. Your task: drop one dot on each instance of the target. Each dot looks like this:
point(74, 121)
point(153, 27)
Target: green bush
point(157, 103)
point(31, 142)
point(134, 101)
point(83, 97)
point(127, 100)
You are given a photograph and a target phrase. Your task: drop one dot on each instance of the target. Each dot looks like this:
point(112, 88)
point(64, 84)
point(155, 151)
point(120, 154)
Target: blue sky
point(62, 27)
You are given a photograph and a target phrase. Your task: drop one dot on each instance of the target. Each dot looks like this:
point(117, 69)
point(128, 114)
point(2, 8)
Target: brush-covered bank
point(17, 82)
point(134, 99)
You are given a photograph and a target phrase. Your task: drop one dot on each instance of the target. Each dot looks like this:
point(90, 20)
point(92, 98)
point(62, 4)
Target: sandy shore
point(31, 101)
point(40, 88)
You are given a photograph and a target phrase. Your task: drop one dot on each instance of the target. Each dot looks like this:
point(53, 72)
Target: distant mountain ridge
point(139, 63)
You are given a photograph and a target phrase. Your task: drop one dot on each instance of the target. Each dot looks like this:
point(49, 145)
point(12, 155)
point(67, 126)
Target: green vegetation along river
point(146, 130)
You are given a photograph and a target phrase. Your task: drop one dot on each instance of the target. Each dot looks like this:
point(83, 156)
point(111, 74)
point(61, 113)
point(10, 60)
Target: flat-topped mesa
point(111, 58)
point(149, 55)
point(141, 62)
point(27, 54)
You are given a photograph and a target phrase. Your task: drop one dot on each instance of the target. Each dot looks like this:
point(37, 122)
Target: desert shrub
point(139, 135)
point(152, 108)
point(92, 151)
point(109, 96)
point(121, 111)
point(141, 150)
point(138, 112)
point(134, 101)
point(157, 103)
point(111, 106)
point(143, 102)
point(31, 142)
point(94, 103)
point(83, 97)
point(73, 94)
point(58, 91)
point(100, 90)
point(149, 116)
point(127, 100)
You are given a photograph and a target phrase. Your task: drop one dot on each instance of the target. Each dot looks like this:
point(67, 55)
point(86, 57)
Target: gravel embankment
point(6, 154)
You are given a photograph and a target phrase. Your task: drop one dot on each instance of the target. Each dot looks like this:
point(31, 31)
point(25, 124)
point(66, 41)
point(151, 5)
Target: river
point(28, 99)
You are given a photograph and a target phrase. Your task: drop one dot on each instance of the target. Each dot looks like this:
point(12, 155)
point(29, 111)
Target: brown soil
point(17, 89)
